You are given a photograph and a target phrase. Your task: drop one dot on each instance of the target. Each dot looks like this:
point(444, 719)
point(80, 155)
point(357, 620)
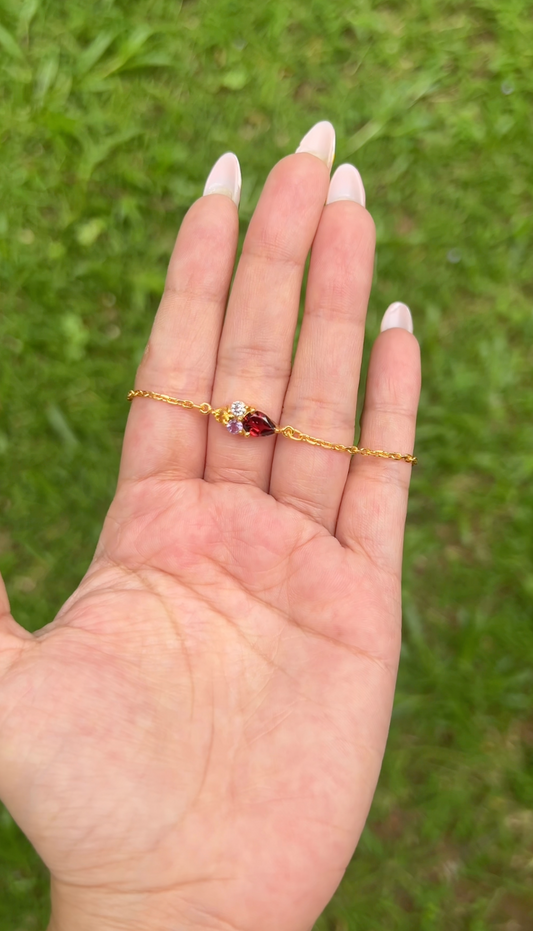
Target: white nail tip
point(346, 184)
point(320, 141)
point(225, 178)
point(397, 315)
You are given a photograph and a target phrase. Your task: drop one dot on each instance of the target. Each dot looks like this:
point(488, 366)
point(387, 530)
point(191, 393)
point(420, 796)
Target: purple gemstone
point(234, 426)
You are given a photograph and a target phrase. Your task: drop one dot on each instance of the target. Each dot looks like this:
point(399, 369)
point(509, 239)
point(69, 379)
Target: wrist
point(75, 909)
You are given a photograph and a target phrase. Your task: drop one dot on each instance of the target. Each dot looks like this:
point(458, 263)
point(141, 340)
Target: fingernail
point(225, 178)
point(346, 184)
point(320, 141)
point(397, 315)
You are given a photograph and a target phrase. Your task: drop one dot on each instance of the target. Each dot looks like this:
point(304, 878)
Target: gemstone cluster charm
point(247, 421)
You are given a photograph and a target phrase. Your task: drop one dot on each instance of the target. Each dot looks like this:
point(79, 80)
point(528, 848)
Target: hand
point(194, 742)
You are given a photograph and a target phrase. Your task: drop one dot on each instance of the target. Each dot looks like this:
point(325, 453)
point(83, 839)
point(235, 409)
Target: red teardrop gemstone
point(258, 424)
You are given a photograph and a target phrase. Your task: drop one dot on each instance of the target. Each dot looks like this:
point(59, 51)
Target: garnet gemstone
point(258, 424)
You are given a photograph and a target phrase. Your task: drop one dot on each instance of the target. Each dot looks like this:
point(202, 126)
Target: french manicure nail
point(346, 184)
point(397, 315)
point(225, 178)
point(320, 141)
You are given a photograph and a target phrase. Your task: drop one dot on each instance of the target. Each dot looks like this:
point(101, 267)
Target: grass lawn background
point(111, 115)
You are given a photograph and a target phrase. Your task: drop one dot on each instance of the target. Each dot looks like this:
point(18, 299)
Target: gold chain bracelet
point(242, 420)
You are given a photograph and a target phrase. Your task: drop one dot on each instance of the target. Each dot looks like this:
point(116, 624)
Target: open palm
point(194, 742)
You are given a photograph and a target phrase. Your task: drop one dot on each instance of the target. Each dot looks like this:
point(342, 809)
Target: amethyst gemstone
point(234, 426)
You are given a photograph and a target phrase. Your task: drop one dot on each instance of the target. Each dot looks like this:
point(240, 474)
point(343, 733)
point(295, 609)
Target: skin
point(195, 740)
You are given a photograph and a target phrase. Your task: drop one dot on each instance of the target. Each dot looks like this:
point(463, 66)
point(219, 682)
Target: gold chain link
point(222, 415)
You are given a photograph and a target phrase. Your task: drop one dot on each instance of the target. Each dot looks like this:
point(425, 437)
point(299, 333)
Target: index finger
point(180, 357)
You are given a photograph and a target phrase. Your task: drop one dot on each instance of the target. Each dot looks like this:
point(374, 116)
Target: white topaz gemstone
point(238, 408)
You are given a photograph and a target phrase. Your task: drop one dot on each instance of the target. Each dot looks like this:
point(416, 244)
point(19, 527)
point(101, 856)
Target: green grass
point(111, 114)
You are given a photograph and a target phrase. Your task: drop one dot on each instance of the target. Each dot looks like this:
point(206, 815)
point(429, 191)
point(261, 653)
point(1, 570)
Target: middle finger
point(321, 397)
point(255, 351)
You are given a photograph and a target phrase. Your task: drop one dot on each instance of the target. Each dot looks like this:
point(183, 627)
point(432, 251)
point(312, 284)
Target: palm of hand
point(195, 740)
point(203, 695)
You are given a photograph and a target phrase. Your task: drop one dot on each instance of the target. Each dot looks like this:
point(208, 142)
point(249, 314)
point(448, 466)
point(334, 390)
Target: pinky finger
point(374, 505)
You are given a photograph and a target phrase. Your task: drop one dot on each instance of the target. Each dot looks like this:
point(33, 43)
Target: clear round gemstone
point(234, 426)
point(238, 408)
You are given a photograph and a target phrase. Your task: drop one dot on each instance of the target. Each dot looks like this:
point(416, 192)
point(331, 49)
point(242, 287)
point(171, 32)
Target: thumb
point(12, 635)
